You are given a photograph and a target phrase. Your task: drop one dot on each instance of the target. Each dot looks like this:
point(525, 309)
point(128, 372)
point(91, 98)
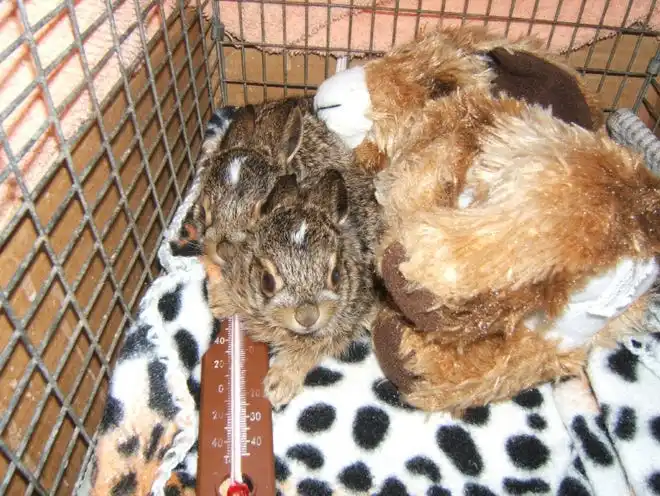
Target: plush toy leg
point(130, 457)
point(177, 486)
point(456, 325)
point(435, 377)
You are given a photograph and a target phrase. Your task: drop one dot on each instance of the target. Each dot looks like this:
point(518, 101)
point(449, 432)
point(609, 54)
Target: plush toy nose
point(307, 314)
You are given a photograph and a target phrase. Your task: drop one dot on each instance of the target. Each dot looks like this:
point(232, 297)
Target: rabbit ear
point(241, 127)
point(332, 195)
point(201, 211)
point(293, 134)
point(207, 211)
point(285, 189)
point(221, 252)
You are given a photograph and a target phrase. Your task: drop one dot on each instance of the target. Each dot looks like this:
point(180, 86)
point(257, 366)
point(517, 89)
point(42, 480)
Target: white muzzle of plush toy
point(342, 102)
point(604, 298)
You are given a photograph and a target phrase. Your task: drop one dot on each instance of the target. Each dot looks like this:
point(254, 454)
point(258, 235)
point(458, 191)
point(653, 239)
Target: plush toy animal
point(519, 234)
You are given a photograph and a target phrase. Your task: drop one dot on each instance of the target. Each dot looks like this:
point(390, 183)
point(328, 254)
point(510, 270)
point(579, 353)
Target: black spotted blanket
point(349, 433)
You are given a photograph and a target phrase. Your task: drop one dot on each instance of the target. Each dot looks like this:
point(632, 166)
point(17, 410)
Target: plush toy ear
point(241, 127)
point(293, 135)
point(285, 188)
point(332, 196)
point(216, 129)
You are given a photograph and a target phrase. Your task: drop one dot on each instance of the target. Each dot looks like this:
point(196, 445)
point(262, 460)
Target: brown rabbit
point(261, 143)
point(240, 169)
point(255, 126)
point(289, 133)
point(303, 279)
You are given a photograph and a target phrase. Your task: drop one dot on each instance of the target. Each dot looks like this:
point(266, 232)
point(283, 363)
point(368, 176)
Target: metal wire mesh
point(619, 67)
point(79, 249)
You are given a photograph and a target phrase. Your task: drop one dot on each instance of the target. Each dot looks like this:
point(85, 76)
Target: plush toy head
point(518, 231)
point(369, 101)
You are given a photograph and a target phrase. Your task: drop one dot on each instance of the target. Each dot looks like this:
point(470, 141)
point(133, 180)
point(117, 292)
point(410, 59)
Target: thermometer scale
point(235, 429)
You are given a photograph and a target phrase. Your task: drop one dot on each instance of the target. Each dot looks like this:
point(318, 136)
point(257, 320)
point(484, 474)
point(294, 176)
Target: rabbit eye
point(268, 283)
point(335, 276)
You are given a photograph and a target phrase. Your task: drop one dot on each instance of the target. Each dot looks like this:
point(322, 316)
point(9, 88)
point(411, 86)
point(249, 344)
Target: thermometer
point(235, 427)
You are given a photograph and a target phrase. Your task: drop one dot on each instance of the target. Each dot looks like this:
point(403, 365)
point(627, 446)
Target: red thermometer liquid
point(236, 430)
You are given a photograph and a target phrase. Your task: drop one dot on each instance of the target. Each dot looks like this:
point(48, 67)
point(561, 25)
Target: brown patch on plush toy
point(437, 63)
point(468, 320)
point(527, 77)
point(431, 153)
point(369, 157)
point(387, 333)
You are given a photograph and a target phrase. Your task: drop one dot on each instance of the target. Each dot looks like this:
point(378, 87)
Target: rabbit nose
point(307, 314)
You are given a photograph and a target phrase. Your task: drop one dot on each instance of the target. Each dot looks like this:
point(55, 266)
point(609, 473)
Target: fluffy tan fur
point(488, 370)
point(441, 62)
point(571, 201)
point(567, 203)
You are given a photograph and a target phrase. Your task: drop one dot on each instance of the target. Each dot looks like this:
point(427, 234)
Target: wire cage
point(103, 105)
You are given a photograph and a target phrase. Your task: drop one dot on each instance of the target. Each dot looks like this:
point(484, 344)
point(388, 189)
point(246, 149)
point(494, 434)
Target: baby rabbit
point(289, 133)
point(239, 170)
point(261, 143)
point(303, 279)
